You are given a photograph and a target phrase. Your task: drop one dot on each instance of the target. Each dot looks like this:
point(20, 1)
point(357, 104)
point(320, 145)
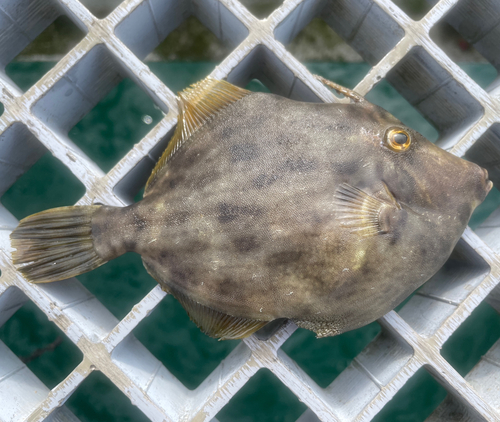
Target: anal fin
point(217, 324)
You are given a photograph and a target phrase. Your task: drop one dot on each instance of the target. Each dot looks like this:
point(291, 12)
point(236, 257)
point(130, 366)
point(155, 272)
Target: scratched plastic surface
point(418, 338)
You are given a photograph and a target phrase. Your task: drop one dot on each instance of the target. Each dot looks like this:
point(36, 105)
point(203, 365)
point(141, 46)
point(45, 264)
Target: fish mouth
point(488, 184)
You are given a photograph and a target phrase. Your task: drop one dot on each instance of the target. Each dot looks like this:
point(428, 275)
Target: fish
point(263, 208)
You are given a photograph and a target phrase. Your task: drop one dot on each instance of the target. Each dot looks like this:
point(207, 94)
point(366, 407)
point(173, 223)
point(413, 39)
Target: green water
point(108, 132)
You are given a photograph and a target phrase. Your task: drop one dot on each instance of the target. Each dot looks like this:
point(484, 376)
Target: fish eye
point(397, 139)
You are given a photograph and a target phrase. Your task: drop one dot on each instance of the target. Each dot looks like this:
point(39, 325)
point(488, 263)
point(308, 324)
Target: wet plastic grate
point(400, 51)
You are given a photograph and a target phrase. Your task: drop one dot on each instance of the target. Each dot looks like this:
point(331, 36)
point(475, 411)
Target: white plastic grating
point(399, 49)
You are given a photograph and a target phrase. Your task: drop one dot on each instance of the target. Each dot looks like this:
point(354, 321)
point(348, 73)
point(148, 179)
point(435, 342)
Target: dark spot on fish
point(366, 270)
point(283, 258)
point(264, 180)
point(229, 212)
point(464, 212)
point(245, 243)
point(129, 245)
point(225, 287)
point(191, 157)
point(286, 141)
point(227, 132)
point(394, 238)
point(243, 152)
point(205, 179)
point(139, 223)
point(178, 275)
point(300, 164)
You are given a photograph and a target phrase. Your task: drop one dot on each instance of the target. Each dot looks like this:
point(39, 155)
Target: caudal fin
point(55, 244)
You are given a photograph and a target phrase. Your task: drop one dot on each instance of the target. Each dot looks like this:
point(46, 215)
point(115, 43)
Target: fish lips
point(488, 184)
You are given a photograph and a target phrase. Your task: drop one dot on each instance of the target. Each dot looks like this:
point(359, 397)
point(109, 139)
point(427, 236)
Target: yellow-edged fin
point(358, 211)
point(197, 105)
point(217, 324)
point(55, 244)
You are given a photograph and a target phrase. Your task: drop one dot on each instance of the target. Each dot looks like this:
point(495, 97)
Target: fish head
point(402, 163)
point(423, 176)
point(417, 196)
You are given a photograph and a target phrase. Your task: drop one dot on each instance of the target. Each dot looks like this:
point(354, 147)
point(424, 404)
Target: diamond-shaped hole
point(331, 354)
point(451, 409)
point(120, 283)
point(439, 297)
point(486, 218)
point(158, 18)
point(26, 73)
point(415, 9)
point(477, 23)
point(55, 41)
point(319, 42)
point(40, 344)
point(485, 209)
point(131, 187)
point(191, 40)
point(463, 53)
point(21, 22)
point(101, 9)
point(179, 75)
point(262, 64)
point(83, 86)
point(20, 150)
point(98, 399)
point(257, 86)
point(263, 398)
point(47, 184)
point(385, 96)
point(415, 401)
point(261, 9)
point(178, 343)
point(434, 93)
point(115, 124)
point(472, 339)
point(369, 30)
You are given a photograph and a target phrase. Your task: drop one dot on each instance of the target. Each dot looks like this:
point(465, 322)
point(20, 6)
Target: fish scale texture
point(399, 49)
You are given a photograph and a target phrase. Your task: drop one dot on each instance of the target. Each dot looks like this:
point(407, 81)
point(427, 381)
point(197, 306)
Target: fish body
point(265, 208)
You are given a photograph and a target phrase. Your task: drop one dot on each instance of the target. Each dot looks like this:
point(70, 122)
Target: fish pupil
point(400, 138)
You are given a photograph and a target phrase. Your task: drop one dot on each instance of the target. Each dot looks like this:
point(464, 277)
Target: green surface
point(28, 333)
point(106, 134)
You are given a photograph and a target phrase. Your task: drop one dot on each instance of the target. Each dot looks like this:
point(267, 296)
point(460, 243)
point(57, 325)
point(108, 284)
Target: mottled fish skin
point(244, 220)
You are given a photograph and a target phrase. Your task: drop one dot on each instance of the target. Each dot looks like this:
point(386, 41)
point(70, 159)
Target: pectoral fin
point(360, 212)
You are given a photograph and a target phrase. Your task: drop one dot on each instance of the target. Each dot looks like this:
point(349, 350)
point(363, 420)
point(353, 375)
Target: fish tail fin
point(55, 244)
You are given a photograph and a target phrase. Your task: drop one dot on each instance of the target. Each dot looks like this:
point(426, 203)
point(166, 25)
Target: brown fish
point(262, 208)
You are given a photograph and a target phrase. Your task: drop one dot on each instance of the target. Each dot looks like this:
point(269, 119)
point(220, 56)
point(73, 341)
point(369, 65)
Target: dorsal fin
point(217, 324)
point(197, 105)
